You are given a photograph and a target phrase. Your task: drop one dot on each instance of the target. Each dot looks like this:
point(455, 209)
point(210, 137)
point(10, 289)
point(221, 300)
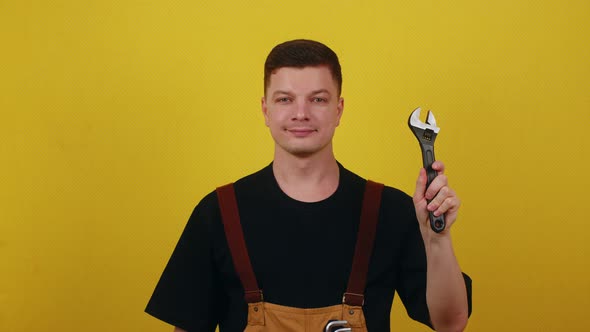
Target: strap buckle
point(353, 299)
point(254, 296)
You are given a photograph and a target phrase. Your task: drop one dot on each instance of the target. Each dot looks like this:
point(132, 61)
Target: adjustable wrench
point(426, 134)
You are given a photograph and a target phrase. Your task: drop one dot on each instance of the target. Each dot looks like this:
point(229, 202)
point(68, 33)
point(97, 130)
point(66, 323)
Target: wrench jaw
point(424, 132)
point(430, 120)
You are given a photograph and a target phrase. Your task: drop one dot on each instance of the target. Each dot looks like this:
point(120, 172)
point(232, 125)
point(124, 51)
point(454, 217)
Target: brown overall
point(265, 316)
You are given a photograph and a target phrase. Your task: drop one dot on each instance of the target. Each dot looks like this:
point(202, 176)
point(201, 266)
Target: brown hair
point(301, 53)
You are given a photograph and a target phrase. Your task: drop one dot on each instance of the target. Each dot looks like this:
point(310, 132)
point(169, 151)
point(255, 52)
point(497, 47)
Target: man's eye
point(319, 100)
point(283, 100)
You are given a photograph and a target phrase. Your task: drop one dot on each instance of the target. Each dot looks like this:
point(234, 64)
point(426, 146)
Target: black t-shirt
point(301, 255)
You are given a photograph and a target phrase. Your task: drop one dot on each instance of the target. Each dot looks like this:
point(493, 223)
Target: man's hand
point(443, 200)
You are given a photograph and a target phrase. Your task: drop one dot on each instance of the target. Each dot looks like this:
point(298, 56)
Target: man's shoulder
point(264, 175)
point(389, 192)
point(248, 185)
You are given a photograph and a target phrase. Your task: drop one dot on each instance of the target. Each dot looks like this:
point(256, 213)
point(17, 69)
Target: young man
point(299, 220)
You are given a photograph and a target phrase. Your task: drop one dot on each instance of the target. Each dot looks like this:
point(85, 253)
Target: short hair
point(302, 53)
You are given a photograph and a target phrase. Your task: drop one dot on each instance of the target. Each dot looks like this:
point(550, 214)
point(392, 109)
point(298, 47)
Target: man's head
point(300, 53)
point(302, 104)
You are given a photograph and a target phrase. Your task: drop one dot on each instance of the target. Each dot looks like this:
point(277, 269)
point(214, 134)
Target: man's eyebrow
point(281, 92)
point(315, 92)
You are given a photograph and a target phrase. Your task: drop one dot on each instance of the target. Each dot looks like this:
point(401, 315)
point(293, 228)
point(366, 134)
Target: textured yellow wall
point(116, 117)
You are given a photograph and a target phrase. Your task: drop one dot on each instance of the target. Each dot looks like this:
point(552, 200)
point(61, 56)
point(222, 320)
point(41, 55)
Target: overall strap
point(237, 245)
point(364, 245)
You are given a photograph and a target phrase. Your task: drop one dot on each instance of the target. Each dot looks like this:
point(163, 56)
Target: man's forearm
point(446, 294)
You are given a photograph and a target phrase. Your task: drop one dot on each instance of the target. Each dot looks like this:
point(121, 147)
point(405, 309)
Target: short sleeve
point(187, 294)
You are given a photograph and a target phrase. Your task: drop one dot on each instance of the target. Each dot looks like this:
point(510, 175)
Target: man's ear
point(264, 110)
point(339, 110)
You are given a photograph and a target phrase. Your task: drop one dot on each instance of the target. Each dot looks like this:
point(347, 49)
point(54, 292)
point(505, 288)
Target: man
point(299, 221)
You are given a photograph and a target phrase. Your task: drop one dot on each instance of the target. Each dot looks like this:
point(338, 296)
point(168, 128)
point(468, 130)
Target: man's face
point(302, 108)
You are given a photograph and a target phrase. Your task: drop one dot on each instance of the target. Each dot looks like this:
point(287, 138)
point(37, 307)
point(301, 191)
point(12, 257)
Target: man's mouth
point(301, 132)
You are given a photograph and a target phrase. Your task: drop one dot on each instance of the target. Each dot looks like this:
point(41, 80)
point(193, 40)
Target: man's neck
point(307, 179)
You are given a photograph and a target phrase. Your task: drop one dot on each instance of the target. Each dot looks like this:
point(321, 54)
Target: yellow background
point(117, 117)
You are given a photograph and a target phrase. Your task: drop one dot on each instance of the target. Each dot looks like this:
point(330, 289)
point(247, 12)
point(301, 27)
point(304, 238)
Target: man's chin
point(304, 151)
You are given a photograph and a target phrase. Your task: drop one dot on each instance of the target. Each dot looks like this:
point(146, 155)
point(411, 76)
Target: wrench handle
point(436, 223)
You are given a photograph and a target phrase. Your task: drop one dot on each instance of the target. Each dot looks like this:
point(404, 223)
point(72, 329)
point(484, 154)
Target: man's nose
point(301, 111)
